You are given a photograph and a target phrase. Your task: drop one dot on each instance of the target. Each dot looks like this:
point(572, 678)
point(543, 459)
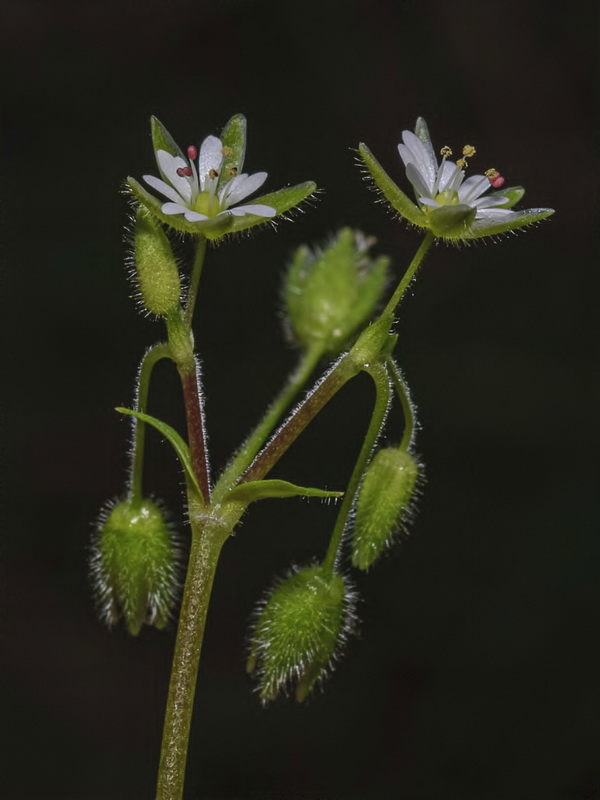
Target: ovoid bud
point(155, 266)
point(299, 628)
point(330, 294)
point(384, 496)
point(133, 565)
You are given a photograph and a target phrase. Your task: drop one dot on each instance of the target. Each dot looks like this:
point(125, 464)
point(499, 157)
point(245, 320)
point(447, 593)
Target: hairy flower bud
point(133, 565)
point(155, 266)
point(330, 294)
point(299, 628)
point(384, 497)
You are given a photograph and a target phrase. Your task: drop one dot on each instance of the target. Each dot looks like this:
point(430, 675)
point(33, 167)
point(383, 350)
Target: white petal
point(472, 188)
point(174, 208)
point(163, 188)
point(194, 216)
point(490, 201)
point(422, 157)
point(244, 185)
point(405, 155)
point(427, 201)
point(211, 156)
point(415, 176)
point(258, 209)
point(451, 178)
point(168, 166)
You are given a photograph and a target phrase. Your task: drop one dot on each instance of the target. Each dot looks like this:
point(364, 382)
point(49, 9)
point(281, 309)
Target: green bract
point(155, 266)
point(384, 496)
point(451, 207)
point(204, 187)
point(134, 565)
point(330, 294)
point(298, 631)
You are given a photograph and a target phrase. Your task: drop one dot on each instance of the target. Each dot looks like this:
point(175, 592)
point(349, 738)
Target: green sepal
point(452, 222)
point(392, 193)
point(282, 201)
point(508, 222)
point(261, 490)
point(513, 194)
point(211, 228)
point(171, 435)
point(162, 139)
point(233, 137)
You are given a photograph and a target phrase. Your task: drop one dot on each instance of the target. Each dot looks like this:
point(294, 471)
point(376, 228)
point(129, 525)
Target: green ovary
point(447, 198)
point(207, 203)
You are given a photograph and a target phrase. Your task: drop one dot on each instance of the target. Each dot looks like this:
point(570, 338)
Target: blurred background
point(476, 674)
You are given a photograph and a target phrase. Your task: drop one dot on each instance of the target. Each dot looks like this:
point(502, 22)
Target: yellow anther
point(469, 151)
point(445, 151)
point(233, 171)
point(462, 163)
point(227, 151)
point(212, 174)
point(491, 173)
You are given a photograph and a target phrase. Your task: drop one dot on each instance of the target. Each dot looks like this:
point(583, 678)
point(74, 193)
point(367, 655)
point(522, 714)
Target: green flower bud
point(298, 631)
point(330, 294)
point(133, 565)
point(155, 266)
point(384, 497)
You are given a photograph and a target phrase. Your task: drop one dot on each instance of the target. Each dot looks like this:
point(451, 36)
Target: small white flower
point(193, 190)
point(444, 184)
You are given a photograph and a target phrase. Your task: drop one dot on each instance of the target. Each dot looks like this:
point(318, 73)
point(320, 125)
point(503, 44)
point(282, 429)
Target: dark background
point(476, 674)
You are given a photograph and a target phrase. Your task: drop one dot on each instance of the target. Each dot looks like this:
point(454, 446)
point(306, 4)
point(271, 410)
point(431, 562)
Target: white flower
point(193, 191)
point(444, 184)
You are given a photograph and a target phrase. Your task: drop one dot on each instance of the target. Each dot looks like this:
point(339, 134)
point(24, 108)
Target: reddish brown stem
point(196, 434)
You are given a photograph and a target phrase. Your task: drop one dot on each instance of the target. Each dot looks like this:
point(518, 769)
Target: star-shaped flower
point(204, 188)
point(449, 205)
point(194, 191)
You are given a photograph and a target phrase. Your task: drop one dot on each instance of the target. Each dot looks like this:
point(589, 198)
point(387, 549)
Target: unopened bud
point(155, 266)
point(133, 565)
point(384, 497)
point(330, 294)
point(299, 629)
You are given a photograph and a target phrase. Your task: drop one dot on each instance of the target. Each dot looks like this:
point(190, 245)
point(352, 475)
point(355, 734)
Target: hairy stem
point(274, 413)
point(382, 401)
point(409, 274)
point(192, 399)
point(151, 357)
point(408, 410)
point(195, 281)
point(208, 536)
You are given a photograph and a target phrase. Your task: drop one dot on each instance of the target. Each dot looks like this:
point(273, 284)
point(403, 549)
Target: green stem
point(151, 357)
point(408, 409)
point(409, 274)
point(208, 537)
point(195, 281)
point(274, 413)
point(382, 400)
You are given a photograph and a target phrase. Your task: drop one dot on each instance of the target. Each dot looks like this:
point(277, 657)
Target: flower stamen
point(494, 177)
point(185, 172)
point(192, 152)
point(468, 151)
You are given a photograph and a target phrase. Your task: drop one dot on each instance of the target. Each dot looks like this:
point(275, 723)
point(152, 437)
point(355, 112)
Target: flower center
point(447, 198)
point(207, 203)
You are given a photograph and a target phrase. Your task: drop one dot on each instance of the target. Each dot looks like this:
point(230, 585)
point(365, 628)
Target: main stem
point(208, 537)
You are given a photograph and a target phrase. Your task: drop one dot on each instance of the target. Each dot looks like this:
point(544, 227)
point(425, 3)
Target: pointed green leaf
point(233, 138)
point(392, 193)
point(508, 222)
point(211, 228)
point(513, 195)
point(282, 201)
point(162, 139)
point(261, 490)
point(452, 222)
point(180, 447)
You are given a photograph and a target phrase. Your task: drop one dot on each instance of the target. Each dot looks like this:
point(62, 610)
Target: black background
point(476, 673)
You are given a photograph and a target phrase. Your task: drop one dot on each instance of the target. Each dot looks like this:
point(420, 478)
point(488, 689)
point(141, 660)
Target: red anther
point(497, 182)
point(192, 152)
point(185, 172)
